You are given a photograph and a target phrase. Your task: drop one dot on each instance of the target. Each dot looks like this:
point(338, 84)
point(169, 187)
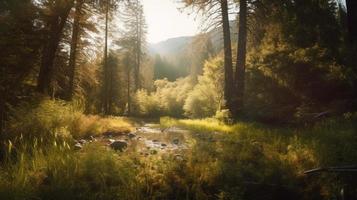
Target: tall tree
point(74, 45)
point(128, 74)
point(20, 43)
point(352, 19)
point(108, 6)
point(135, 30)
point(228, 66)
point(241, 57)
point(56, 13)
point(217, 13)
point(105, 102)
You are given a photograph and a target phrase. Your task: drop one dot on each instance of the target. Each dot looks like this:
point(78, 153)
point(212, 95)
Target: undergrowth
point(239, 161)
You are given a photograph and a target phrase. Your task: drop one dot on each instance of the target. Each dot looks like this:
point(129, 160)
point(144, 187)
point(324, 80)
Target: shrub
point(167, 99)
point(207, 96)
point(45, 119)
point(147, 104)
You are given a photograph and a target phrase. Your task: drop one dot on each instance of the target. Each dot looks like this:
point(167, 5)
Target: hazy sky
point(165, 21)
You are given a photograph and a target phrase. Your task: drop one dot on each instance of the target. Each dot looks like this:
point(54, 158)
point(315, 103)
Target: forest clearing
point(178, 99)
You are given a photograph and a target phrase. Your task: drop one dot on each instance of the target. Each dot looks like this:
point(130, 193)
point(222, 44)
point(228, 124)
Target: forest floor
point(126, 158)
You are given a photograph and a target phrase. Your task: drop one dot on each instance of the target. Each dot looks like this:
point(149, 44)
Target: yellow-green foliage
point(60, 173)
point(239, 161)
point(202, 125)
point(88, 125)
point(55, 118)
point(245, 157)
point(44, 119)
point(207, 96)
point(182, 97)
point(147, 104)
point(168, 98)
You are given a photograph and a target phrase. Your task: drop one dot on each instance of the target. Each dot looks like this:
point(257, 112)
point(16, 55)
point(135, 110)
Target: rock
point(110, 134)
point(78, 146)
point(139, 138)
point(107, 134)
point(153, 152)
point(110, 141)
point(176, 141)
point(155, 141)
point(93, 139)
point(90, 138)
point(131, 135)
point(164, 145)
point(179, 157)
point(119, 145)
point(82, 141)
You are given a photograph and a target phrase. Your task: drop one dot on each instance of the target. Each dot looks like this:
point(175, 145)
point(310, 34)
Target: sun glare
point(165, 20)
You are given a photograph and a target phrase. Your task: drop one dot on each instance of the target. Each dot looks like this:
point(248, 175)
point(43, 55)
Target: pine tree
point(57, 12)
point(241, 58)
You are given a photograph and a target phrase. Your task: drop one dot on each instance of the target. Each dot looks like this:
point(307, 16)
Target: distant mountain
point(176, 57)
point(174, 46)
point(170, 46)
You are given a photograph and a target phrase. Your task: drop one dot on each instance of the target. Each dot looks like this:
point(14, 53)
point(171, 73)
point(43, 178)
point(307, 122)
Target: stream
point(148, 139)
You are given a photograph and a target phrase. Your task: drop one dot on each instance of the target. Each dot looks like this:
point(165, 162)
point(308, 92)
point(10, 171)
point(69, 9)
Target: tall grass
point(253, 161)
point(240, 161)
point(50, 118)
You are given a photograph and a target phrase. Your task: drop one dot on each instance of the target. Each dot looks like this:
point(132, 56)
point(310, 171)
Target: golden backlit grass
point(94, 125)
point(239, 161)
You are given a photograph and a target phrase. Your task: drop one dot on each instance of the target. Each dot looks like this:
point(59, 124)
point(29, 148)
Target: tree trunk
point(352, 20)
point(138, 52)
point(56, 26)
point(110, 86)
point(128, 89)
point(2, 111)
point(105, 66)
point(241, 58)
point(73, 52)
point(228, 74)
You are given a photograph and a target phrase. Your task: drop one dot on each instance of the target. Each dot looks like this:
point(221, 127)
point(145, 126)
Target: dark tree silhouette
point(241, 57)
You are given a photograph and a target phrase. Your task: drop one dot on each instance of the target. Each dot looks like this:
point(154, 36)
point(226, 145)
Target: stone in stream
point(92, 138)
point(155, 141)
point(153, 152)
point(131, 135)
point(164, 145)
point(110, 141)
point(176, 141)
point(78, 146)
point(119, 145)
point(82, 141)
point(179, 157)
point(110, 134)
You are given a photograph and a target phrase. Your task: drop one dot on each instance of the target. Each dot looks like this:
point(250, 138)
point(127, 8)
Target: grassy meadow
point(239, 161)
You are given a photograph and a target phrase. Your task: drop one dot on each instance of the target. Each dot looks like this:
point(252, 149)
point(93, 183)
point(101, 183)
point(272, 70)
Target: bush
point(50, 119)
point(167, 99)
point(45, 119)
point(207, 96)
point(147, 104)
